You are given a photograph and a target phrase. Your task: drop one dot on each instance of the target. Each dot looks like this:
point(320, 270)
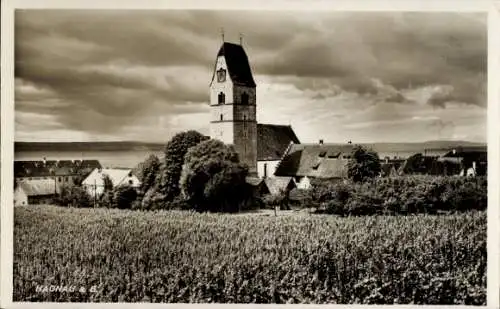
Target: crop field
point(169, 256)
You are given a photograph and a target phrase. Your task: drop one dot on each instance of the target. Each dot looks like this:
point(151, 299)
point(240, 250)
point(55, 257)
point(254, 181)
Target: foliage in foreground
point(402, 195)
point(188, 257)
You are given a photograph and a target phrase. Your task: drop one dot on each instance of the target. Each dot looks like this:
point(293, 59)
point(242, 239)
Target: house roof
point(254, 181)
point(117, 176)
point(469, 150)
point(40, 168)
point(37, 187)
point(273, 141)
point(277, 184)
point(237, 64)
point(315, 160)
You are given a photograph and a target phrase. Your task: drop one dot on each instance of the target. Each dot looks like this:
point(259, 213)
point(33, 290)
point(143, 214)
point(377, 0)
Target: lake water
point(128, 159)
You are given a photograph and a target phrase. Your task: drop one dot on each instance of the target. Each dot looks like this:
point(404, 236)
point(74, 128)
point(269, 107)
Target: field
point(120, 255)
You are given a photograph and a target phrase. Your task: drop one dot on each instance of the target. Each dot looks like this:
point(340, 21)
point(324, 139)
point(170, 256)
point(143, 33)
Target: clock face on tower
point(221, 75)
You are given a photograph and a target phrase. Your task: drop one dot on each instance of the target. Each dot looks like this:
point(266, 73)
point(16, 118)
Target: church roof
point(237, 64)
point(273, 140)
point(315, 160)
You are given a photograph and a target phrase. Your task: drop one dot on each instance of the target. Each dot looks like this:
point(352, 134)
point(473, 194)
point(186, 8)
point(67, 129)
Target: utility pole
point(95, 193)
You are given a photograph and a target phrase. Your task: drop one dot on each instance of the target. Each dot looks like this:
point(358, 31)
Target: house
point(94, 182)
point(389, 169)
point(473, 160)
point(258, 185)
point(59, 172)
point(35, 191)
point(305, 162)
point(280, 184)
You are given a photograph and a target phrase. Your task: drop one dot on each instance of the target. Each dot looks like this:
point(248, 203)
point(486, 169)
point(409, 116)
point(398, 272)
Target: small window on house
point(221, 117)
point(315, 166)
point(130, 182)
point(222, 98)
point(66, 178)
point(244, 117)
point(244, 98)
point(59, 179)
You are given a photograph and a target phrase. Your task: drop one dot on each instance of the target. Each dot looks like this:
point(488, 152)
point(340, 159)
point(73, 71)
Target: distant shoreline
point(86, 146)
point(142, 146)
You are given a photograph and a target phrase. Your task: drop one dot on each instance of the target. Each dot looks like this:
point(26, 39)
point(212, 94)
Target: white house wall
point(271, 168)
point(20, 197)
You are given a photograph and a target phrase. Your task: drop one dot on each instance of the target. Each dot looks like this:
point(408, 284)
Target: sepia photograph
point(250, 156)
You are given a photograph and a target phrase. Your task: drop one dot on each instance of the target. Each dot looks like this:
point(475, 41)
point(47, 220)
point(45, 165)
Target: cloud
point(114, 73)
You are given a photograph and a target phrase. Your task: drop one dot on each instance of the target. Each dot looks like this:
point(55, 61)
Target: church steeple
point(233, 103)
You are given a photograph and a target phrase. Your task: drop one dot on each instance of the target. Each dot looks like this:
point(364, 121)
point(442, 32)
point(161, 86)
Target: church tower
point(233, 104)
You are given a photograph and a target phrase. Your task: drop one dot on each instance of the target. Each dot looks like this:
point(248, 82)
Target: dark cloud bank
point(96, 71)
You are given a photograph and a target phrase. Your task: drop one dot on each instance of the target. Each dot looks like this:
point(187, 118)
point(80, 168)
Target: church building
point(233, 105)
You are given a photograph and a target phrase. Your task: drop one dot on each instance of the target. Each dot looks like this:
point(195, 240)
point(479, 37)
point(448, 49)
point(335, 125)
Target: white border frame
point(7, 117)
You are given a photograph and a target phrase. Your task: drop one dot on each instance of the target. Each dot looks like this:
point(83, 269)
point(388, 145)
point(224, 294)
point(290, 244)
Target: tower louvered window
point(222, 98)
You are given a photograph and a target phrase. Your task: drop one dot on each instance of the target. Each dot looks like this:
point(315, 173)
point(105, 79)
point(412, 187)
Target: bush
point(402, 195)
point(75, 196)
point(280, 199)
point(153, 200)
point(124, 196)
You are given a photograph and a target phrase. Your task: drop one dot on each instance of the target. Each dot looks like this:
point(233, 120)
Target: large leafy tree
point(213, 179)
point(364, 164)
point(171, 168)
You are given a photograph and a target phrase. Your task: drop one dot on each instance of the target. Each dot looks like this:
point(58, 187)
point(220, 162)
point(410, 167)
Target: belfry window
point(221, 117)
point(244, 98)
point(222, 98)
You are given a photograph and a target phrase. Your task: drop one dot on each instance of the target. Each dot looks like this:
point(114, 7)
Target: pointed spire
point(241, 39)
point(222, 34)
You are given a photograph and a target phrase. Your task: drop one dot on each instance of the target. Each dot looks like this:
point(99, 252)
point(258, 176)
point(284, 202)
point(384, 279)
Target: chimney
point(321, 142)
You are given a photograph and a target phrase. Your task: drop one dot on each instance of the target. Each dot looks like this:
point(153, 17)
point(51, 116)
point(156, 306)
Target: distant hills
point(142, 146)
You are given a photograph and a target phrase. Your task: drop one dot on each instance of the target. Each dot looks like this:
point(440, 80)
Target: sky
point(95, 75)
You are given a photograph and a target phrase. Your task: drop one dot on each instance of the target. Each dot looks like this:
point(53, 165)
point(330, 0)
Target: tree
point(213, 179)
point(170, 171)
point(107, 199)
point(107, 183)
point(363, 164)
point(147, 172)
point(124, 196)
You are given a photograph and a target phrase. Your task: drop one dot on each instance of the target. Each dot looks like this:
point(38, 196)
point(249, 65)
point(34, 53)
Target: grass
point(169, 256)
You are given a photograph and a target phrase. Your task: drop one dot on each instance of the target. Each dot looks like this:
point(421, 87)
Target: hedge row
point(402, 195)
